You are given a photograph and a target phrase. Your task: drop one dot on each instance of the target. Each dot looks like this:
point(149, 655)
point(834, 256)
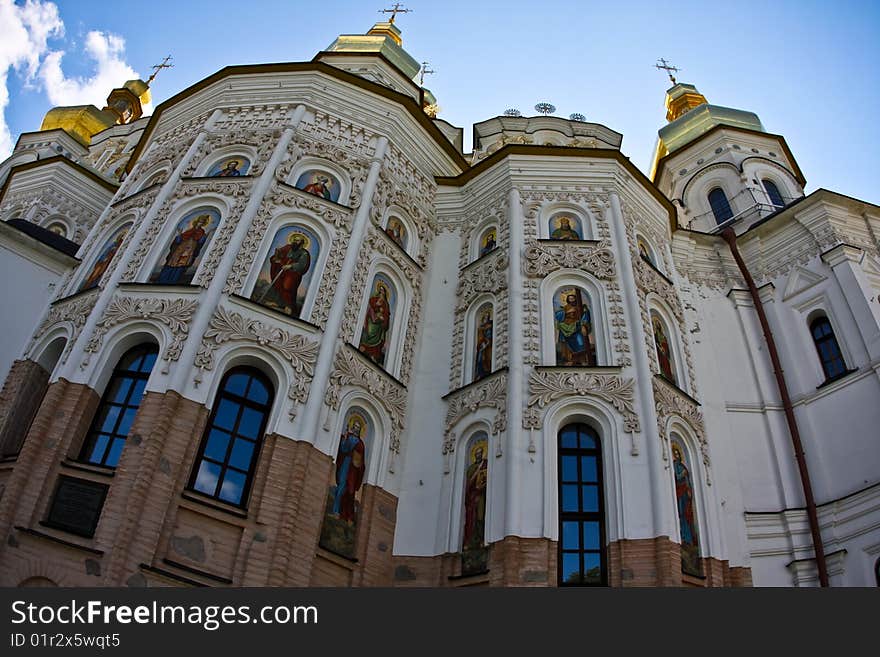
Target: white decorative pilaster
point(78, 354)
point(310, 418)
point(211, 297)
point(845, 262)
point(516, 450)
point(661, 500)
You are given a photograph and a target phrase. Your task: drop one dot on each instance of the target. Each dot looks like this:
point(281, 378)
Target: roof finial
point(666, 66)
point(159, 67)
point(396, 9)
point(425, 71)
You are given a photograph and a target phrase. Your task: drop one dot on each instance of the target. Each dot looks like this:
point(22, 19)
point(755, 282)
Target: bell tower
point(718, 164)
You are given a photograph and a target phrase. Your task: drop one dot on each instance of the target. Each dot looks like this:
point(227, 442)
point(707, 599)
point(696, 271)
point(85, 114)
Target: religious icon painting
point(483, 342)
point(645, 251)
point(105, 257)
point(474, 553)
point(563, 226)
point(376, 331)
point(319, 183)
point(488, 241)
point(288, 270)
point(573, 323)
point(397, 231)
point(664, 349)
point(229, 167)
point(691, 563)
point(343, 496)
point(189, 244)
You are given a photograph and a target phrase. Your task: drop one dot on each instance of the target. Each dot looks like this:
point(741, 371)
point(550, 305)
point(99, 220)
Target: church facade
point(285, 332)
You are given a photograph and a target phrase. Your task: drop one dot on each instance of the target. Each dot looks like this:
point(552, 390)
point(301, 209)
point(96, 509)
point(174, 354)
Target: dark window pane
point(138, 392)
point(227, 412)
point(218, 442)
point(569, 468)
point(592, 568)
point(148, 361)
point(591, 498)
point(587, 441)
point(258, 392)
point(249, 425)
point(720, 206)
point(206, 481)
point(571, 568)
point(109, 415)
point(591, 535)
point(570, 536)
point(569, 498)
point(115, 452)
point(127, 420)
point(588, 469)
point(241, 454)
point(118, 389)
point(568, 438)
point(233, 487)
point(100, 446)
point(130, 360)
point(773, 193)
point(237, 384)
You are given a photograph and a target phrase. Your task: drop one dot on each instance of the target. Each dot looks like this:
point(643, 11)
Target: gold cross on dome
point(159, 67)
point(396, 9)
point(666, 66)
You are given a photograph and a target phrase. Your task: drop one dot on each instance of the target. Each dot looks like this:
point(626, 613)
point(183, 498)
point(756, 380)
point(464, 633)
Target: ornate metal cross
point(159, 67)
point(662, 64)
point(396, 9)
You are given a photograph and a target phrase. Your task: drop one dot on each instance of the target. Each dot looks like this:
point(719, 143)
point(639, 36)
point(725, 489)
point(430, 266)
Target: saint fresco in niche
point(575, 341)
point(474, 554)
point(483, 343)
point(319, 183)
point(644, 251)
point(229, 168)
point(191, 235)
point(565, 227)
point(377, 322)
point(343, 497)
point(487, 242)
point(397, 231)
point(687, 516)
point(111, 246)
point(287, 271)
point(664, 351)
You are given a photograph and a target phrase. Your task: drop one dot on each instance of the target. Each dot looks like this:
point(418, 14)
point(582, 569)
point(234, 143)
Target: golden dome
point(140, 89)
point(79, 121)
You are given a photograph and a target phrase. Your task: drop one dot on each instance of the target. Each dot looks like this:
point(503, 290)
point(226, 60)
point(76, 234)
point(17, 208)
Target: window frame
point(772, 185)
point(581, 516)
point(91, 438)
point(243, 402)
point(831, 337)
point(712, 205)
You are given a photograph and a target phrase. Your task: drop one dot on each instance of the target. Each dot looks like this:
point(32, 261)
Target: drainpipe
point(729, 236)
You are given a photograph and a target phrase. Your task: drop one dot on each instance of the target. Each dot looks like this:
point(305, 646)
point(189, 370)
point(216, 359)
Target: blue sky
point(808, 69)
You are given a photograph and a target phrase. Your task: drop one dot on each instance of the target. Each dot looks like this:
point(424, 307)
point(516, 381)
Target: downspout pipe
point(729, 236)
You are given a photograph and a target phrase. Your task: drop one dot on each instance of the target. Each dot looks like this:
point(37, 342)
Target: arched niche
point(558, 309)
point(398, 226)
point(671, 352)
point(479, 339)
point(101, 258)
point(565, 221)
point(321, 178)
point(300, 243)
point(186, 239)
point(389, 315)
point(228, 162)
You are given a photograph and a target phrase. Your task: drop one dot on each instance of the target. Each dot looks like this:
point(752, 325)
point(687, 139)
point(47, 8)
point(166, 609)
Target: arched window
point(691, 563)
point(827, 348)
point(106, 437)
point(720, 206)
point(582, 559)
point(474, 555)
point(773, 193)
point(227, 456)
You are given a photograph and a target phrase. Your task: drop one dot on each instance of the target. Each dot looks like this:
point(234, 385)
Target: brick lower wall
point(20, 399)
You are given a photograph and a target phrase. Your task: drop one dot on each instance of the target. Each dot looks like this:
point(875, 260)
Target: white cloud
point(24, 48)
point(26, 29)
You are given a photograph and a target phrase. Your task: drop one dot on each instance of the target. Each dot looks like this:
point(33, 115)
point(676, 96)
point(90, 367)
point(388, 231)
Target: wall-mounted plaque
point(77, 506)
